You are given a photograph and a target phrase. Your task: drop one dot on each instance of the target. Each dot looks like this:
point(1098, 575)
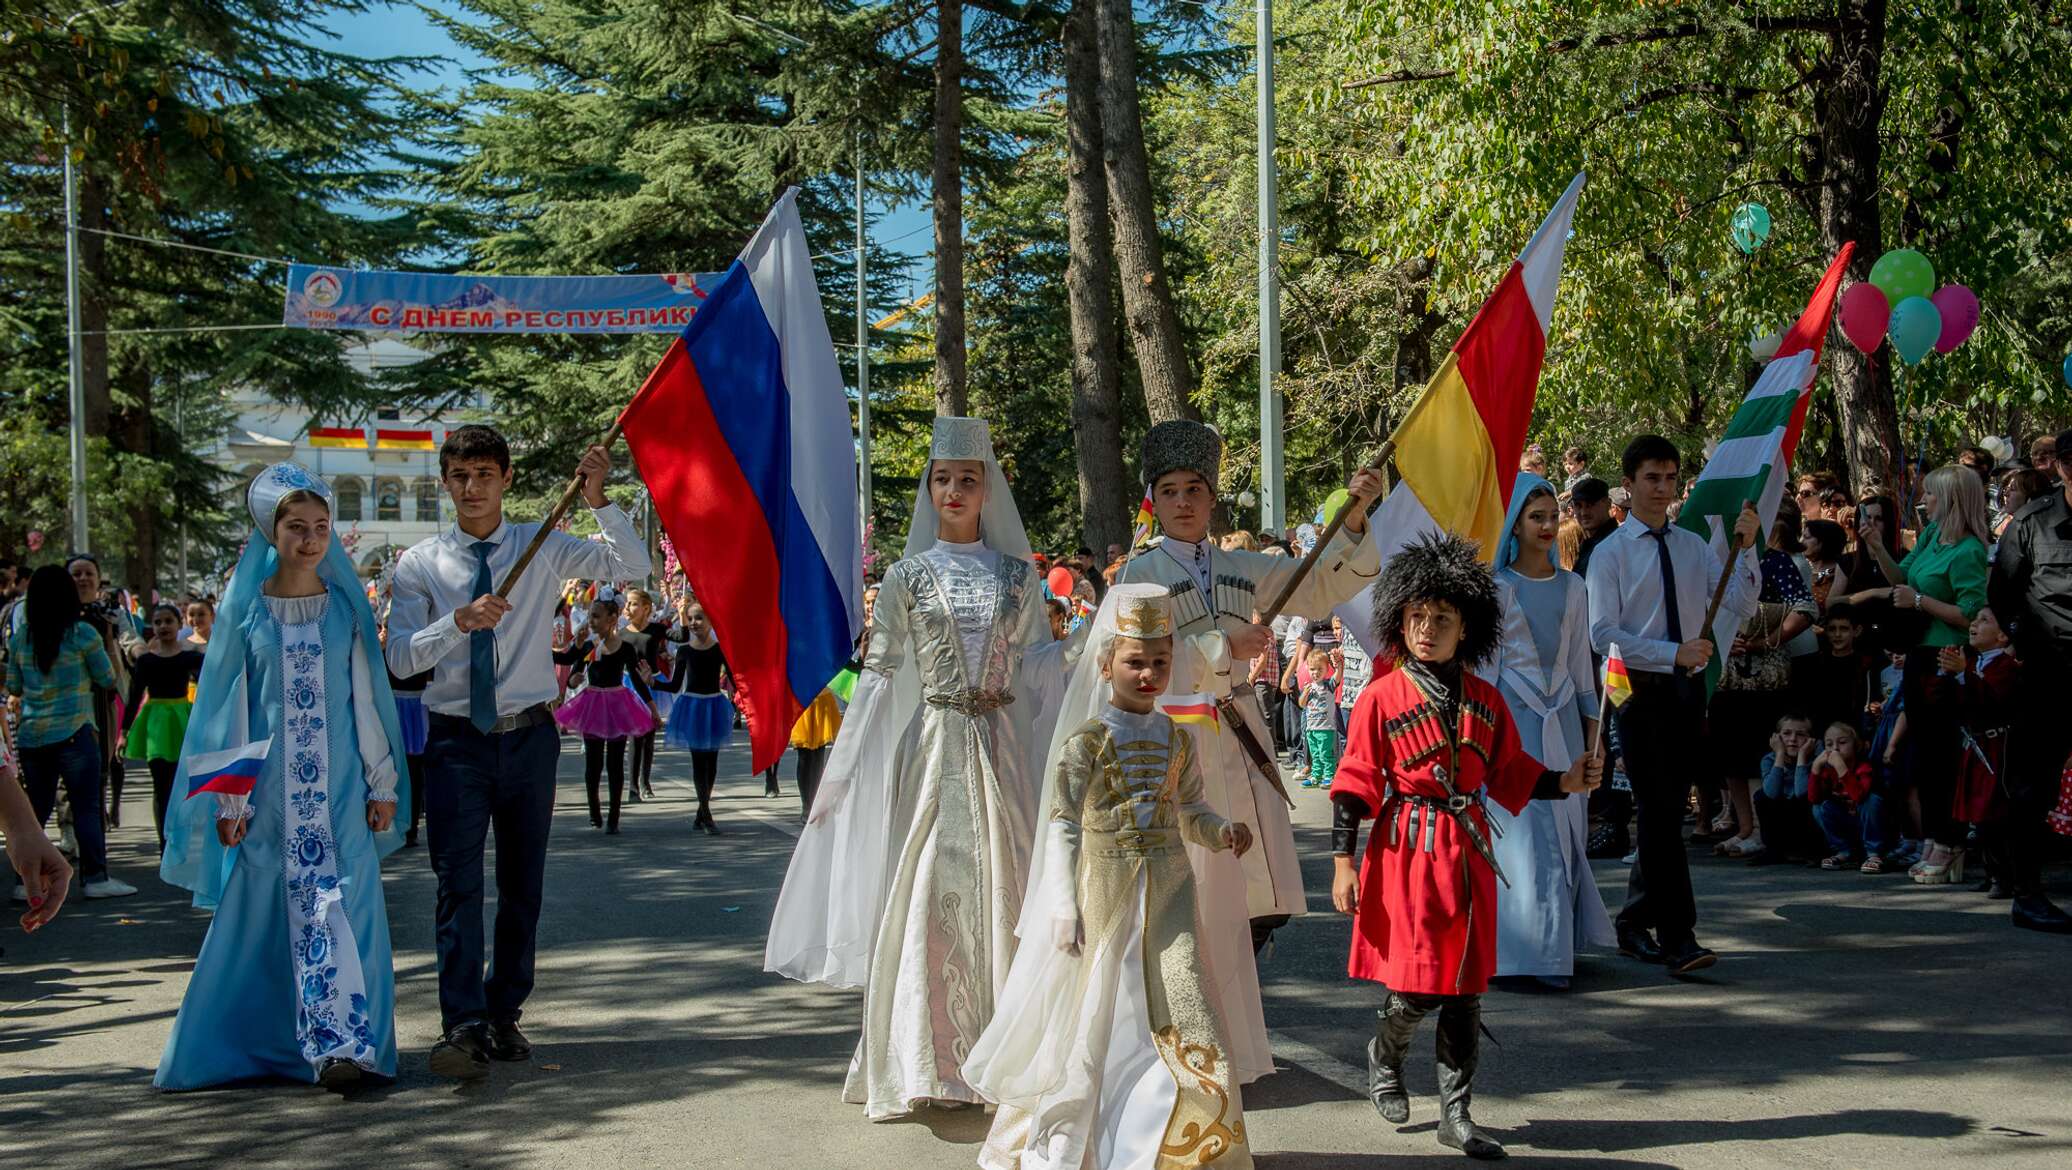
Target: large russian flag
point(1457, 451)
point(742, 436)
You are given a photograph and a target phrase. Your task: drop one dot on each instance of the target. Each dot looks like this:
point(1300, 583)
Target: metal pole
point(77, 358)
point(863, 357)
point(180, 429)
point(1272, 471)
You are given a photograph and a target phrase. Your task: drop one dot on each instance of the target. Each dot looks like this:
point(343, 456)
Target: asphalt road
point(1853, 1021)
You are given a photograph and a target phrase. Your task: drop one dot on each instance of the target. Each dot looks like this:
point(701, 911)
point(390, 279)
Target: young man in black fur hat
point(1429, 743)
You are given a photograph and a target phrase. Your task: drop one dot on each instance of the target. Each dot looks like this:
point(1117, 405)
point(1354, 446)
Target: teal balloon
point(1903, 273)
point(2068, 369)
point(1916, 324)
point(1751, 227)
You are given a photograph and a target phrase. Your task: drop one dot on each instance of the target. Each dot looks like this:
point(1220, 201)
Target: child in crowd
point(1834, 685)
point(1320, 720)
point(604, 711)
point(1845, 799)
point(1781, 806)
point(1983, 693)
point(160, 700)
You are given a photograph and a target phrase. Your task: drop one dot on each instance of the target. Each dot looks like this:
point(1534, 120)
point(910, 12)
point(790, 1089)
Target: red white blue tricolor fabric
point(741, 434)
point(232, 772)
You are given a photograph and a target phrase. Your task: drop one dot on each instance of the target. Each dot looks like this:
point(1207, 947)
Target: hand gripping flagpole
point(1309, 559)
point(568, 499)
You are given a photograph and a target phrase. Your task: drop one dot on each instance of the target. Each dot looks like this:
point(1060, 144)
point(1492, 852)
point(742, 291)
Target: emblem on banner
point(322, 289)
point(684, 284)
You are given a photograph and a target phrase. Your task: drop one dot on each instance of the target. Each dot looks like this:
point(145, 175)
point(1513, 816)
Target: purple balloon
point(1959, 308)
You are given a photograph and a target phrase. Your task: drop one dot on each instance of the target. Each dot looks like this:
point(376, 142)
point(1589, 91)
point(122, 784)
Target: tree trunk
point(1104, 495)
point(1850, 110)
point(1147, 298)
point(952, 391)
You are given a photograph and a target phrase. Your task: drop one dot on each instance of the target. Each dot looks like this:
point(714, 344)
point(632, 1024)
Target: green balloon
point(1902, 274)
point(1333, 503)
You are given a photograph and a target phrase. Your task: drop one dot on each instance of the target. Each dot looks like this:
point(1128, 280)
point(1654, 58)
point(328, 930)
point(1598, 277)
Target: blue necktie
point(482, 653)
point(1668, 584)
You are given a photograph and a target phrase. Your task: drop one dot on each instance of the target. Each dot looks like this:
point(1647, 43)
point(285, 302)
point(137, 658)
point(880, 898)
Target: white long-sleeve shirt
point(437, 576)
point(1626, 602)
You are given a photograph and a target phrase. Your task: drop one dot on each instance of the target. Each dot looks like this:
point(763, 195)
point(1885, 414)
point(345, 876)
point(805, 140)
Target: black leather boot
point(1394, 1024)
point(1460, 1025)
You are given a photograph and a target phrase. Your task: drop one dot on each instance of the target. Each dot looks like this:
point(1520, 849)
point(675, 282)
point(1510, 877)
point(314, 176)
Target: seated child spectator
point(1843, 792)
point(1781, 806)
point(1982, 691)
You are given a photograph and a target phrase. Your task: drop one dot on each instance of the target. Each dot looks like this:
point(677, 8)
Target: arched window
point(428, 500)
point(388, 498)
point(348, 490)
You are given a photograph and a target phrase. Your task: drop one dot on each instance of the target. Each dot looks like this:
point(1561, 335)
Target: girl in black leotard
point(702, 719)
point(157, 707)
point(604, 711)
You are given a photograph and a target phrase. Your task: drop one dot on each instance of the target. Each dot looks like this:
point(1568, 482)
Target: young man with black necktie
point(1650, 585)
point(492, 749)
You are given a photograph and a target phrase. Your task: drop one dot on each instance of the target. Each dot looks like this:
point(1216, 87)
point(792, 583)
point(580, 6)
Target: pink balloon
point(35, 542)
point(1959, 308)
point(1864, 315)
point(1060, 580)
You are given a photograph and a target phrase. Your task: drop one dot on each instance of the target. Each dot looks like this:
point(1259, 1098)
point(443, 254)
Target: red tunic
point(1983, 701)
point(1426, 923)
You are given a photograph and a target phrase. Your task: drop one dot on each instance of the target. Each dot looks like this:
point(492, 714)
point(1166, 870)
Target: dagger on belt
point(1466, 822)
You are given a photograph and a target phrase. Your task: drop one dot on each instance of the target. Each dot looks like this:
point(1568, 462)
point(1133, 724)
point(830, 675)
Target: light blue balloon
point(2068, 369)
point(1915, 326)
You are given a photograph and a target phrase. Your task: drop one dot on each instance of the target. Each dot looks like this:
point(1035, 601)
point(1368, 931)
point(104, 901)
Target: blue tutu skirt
point(700, 723)
point(410, 717)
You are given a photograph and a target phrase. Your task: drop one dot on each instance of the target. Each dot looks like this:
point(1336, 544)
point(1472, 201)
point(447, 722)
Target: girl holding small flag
point(1543, 670)
point(284, 803)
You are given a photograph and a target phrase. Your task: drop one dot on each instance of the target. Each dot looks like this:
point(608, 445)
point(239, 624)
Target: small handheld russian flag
point(1618, 685)
point(232, 772)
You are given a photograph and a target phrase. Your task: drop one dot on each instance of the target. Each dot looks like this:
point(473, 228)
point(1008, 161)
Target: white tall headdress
point(999, 522)
point(271, 485)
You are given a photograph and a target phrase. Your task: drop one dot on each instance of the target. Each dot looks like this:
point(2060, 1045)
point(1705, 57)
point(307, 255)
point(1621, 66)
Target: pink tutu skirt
point(606, 713)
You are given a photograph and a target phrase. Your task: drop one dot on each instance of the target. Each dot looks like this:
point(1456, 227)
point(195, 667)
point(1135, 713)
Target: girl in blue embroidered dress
point(295, 978)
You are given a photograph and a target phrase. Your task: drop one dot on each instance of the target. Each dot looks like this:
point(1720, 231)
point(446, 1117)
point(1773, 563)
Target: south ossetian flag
point(741, 434)
point(1753, 459)
point(1457, 451)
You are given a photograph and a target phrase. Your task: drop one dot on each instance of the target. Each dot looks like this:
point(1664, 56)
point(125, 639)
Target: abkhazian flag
point(1618, 685)
point(742, 435)
point(1457, 451)
point(1753, 459)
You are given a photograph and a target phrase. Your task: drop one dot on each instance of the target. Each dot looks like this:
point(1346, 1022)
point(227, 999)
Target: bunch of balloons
point(1901, 301)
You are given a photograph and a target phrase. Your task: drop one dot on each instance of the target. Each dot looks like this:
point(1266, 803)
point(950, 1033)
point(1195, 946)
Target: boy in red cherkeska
point(1428, 743)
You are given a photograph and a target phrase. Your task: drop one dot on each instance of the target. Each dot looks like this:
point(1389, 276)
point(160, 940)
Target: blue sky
point(402, 30)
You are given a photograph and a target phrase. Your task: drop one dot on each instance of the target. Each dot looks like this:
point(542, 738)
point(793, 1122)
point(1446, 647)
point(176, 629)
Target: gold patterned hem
point(1207, 1127)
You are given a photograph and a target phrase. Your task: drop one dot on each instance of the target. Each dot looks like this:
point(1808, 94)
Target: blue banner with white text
point(431, 302)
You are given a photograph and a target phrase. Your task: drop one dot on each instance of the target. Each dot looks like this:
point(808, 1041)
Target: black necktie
point(1669, 607)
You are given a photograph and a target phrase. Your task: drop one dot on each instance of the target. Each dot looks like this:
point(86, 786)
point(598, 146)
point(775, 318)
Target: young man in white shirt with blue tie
point(1650, 585)
point(491, 753)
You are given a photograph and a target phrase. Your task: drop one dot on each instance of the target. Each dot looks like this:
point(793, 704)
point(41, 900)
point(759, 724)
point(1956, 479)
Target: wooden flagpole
point(1309, 559)
point(568, 499)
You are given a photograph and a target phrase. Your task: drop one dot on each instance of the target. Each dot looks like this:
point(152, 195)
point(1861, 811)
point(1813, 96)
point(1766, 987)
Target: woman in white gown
point(909, 874)
point(1550, 907)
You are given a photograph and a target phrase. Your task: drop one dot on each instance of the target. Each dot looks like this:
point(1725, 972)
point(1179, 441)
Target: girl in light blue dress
point(1551, 906)
point(283, 806)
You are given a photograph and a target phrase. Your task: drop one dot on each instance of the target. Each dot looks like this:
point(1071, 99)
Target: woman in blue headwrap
point(1551, 906)
point(283, 806)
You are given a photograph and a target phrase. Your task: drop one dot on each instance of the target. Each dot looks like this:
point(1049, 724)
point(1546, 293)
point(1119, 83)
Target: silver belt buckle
point(1457, 803)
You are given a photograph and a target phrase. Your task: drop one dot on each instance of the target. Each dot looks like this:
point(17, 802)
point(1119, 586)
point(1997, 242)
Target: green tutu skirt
point(160, 729)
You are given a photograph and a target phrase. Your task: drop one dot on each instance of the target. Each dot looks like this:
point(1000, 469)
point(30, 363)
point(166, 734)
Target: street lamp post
point(1272, 472)
point(863, 359)
point(75, 355)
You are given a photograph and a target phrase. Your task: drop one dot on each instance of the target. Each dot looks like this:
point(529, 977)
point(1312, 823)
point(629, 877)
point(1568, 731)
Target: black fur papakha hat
point(1440, 567)
point(1182, 445)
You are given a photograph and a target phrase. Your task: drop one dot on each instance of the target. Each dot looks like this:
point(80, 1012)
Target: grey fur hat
point(1182, 445)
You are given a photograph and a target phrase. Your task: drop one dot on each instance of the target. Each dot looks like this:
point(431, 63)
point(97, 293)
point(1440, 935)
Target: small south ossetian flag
point(742, 436)
point(232, 771)
point(1457, 451)
point(1618, 685)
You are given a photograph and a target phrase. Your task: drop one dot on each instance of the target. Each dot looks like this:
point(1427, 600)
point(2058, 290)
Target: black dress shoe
point(2036, 912)
point(463, 1052)
point(1639, 944)
point(1687, 958)
point(338, 1075)
point(506, 1042)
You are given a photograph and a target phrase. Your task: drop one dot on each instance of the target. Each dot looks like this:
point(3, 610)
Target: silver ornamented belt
point(971, 702)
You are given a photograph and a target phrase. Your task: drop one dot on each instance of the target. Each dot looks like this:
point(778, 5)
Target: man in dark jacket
point(2031, 591)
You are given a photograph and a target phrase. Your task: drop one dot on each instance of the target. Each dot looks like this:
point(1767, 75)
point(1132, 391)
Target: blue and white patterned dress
point(296, 968)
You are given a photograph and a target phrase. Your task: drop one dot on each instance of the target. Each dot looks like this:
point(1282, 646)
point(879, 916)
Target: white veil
point(834, 892)
point(1031, 1047)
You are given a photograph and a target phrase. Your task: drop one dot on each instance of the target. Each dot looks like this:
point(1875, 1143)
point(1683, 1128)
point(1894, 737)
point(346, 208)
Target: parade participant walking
point(701, 720)
point(1543, 669)
point(605, 712)
point(158, 706)
point(201, 622)
point(492, 749)
point(2031, 588)
point(1431, 744)
point(1117, 1056)
point(1650, 586)
point(650, 637)
point(291, 768)
point(1216, 597)
point(58, 663)
point(43, 875)
point(113, 625)
point(909, 875)
point(416, 726)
